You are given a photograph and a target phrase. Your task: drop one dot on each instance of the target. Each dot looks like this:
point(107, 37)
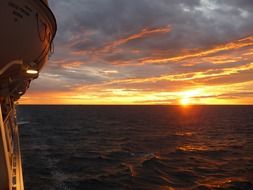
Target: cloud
point(144, 33)
point(245, 42)
point(149, 46)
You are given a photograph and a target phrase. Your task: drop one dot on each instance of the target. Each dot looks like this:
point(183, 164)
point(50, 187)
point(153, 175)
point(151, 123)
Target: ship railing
point(9, 136)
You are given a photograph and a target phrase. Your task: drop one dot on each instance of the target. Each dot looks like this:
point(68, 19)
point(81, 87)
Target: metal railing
point(10, 157)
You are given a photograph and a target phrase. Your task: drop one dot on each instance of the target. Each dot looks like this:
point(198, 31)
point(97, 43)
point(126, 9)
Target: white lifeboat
point(27, 31)
point(28, 28)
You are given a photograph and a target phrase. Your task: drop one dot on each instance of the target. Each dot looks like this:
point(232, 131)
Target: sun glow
point(100, 95)
point(185, 101)
point(189, 97)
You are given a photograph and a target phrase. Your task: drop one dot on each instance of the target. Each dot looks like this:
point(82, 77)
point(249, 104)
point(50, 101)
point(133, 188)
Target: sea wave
point(139, 148)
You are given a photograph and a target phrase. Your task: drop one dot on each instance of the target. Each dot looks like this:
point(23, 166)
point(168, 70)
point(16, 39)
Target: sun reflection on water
point(192, 148)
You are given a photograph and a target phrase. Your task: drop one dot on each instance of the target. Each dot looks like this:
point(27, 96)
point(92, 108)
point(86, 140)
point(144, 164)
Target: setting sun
point(190, 97)
point(185, 101)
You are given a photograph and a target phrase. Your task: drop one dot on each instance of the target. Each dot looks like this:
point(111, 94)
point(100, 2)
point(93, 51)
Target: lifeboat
point(28, 28)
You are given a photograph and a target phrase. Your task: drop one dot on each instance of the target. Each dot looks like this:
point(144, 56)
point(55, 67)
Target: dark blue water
point(137, 147)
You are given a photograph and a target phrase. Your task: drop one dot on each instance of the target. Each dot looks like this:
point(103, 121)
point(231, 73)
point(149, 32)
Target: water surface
point(137, 147)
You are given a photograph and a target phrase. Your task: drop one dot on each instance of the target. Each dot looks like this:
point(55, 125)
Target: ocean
point(137, 147)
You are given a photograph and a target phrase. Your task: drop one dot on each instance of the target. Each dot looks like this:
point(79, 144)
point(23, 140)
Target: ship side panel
point(4, 174)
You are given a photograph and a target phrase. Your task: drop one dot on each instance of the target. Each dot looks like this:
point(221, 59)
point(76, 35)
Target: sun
point(185, 101)
point(189, 97)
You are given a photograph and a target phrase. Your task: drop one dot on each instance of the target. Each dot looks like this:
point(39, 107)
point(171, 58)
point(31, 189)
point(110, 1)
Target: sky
point(149, 52)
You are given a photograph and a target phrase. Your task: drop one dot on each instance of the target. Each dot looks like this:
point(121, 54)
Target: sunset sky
point(149, 52)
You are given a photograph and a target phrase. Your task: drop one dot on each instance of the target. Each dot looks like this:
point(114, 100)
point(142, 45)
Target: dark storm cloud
point(195, 23)
point(87, 25)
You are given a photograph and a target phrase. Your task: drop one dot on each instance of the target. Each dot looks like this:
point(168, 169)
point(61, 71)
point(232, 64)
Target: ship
point(28, 28)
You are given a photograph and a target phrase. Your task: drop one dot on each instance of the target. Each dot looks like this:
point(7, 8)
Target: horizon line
point(20, 104)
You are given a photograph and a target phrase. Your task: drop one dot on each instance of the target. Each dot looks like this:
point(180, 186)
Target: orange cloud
point(178, 77)
point(245, 42)
point(201, 95)
point(146, 32)
point(223, 78)
point(71, 65)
